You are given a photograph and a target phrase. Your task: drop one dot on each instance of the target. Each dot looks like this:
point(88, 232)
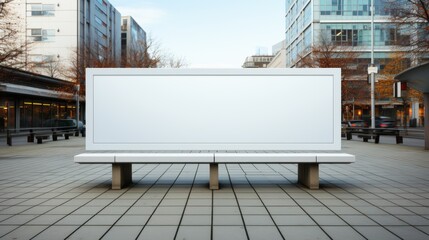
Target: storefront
point(31, 100)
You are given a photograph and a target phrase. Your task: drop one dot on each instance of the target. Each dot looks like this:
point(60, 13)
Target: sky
point(209, 33)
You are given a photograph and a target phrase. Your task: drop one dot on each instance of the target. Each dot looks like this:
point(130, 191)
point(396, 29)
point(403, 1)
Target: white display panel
point(221, 109)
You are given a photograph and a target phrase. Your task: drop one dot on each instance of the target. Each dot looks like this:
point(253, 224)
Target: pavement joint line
point(238, 203)
point(187, 200)
point(260, 199)
point(384, 194)
point(165, 194)
point(129, 188)
point(48, 199)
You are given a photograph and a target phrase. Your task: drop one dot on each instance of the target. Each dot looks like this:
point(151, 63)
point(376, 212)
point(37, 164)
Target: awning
point(416, 77)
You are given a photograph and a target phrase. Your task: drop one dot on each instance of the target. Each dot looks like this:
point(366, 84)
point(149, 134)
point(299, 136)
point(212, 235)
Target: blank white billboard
point(213, 109)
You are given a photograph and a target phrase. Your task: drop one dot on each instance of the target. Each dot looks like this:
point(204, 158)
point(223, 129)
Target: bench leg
point(308, 175)
point(214, 176)
point(9, 141)
point(39, 140)
point(54, 137)
point(349, 136)
point(121, 175)
point(377, 138)
point(66, 137)
point(399, 139)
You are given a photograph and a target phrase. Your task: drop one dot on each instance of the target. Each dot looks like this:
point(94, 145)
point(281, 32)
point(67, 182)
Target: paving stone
point(122, 233)
point(194, 232)
point(164, 220)
point(198, 210)
point(89, 232)
point(56, 232)
point(303, 233)
point(196, 220)
point(24, 232)
point(73, 220)
point(229, 233)
point(293, 220)
point(342, 232)
point(375, 233)
point(158, 232)
point(408, 232)
point(227, 220)
point(258, 220)
point(263, 232)
point(103, 220)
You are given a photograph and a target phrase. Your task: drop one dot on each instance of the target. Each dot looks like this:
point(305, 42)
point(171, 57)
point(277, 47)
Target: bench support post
point(308, 175)
point(214, 176)
point(121, 175)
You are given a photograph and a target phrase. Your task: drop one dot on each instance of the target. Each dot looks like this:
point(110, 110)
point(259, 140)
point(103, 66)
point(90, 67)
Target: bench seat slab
point(164, 158)
point(335, 158)
point(95, 158)
point(265, 157)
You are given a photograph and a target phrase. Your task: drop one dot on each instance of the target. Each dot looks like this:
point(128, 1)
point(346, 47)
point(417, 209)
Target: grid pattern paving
point(44, 195)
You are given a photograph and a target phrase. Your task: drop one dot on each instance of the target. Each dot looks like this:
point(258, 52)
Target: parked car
point(356, 123)
point(384, 122)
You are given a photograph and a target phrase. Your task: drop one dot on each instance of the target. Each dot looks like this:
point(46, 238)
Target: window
point(99, 21)
point(102, 2)
point(39, 34)
point(41, 10)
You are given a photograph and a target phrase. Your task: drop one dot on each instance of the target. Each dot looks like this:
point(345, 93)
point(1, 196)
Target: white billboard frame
point(306, 90)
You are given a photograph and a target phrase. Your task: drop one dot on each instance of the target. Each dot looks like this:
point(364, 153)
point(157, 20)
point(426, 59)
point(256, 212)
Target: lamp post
point(77, 109)
point(372, 70)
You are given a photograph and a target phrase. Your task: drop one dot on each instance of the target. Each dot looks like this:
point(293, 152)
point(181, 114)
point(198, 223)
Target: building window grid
point(39, 34)
point(353, 8)
point(41, 10)
point(360, 34)
point(100, 22)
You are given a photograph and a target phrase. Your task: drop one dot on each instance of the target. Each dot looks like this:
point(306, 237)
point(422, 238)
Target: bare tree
point(12, 50)
point(149, 54)
point(326, 54)
point(412, 16)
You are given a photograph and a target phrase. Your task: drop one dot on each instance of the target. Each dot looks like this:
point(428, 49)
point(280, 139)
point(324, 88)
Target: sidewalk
point(44, 195)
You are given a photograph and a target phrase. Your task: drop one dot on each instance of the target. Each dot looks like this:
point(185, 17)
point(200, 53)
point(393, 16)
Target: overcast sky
point(210, 33)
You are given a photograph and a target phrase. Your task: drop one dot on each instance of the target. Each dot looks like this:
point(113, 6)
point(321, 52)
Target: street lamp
point(77, 109)
point(372, 69)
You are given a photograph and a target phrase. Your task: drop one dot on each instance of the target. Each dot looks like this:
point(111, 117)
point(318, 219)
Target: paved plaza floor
point(44, 195)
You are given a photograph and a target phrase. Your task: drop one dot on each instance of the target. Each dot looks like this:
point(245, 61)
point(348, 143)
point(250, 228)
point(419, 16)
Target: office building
point(133, 42)
point(346, 24)
point(257, 61)
point(60, 31)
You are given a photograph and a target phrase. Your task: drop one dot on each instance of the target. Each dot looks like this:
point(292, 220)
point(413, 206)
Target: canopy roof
point(417, 77)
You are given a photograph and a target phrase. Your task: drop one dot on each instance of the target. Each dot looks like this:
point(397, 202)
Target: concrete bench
point(374, 133)
point(308, 163)
point(213, 116)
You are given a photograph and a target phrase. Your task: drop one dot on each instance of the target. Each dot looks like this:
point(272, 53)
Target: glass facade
point(353, 8)
point(19, 111)
point(343, 23)
point(359, 34)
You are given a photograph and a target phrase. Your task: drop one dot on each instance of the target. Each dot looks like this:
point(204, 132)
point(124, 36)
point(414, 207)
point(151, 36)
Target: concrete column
point(121, 175)
point(426, 106)
point(214, 176)
point(308, 175)
point(415, 111)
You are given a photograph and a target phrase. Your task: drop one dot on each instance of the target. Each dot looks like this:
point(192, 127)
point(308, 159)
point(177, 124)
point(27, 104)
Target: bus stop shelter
point(418, 78)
